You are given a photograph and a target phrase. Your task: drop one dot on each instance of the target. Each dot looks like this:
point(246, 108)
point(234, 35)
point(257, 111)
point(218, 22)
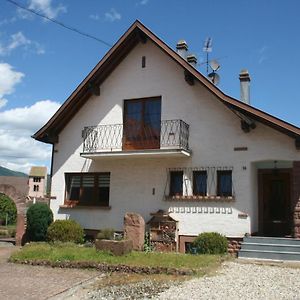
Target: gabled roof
point(38, 172)
point(135, 34)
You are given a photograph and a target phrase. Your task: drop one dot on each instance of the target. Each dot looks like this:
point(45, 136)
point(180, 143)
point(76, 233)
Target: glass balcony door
point(142, 122)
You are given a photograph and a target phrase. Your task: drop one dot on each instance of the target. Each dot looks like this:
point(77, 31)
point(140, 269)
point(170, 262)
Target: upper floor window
point(36, 188)
point(36, 179)
point(224, 183)
point(176, 183)
point(200, 183)
point(88, 189)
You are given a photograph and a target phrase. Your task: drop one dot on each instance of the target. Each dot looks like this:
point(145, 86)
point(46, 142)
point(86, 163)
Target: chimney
point(182, 48)
point(192, 59)
point(245, 86)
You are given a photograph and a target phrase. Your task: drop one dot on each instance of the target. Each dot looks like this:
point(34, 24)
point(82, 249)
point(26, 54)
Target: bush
point(210, 243)
point(7, 209)
point(65, 231)
point(39, 217)
point(106, 234)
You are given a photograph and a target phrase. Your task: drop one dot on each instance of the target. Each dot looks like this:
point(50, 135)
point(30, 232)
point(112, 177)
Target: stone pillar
point(296, 198)
point(20, 230)
point(134, 229)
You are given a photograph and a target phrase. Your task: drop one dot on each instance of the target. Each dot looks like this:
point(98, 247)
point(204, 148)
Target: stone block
point(115, 247)
point(134, 229)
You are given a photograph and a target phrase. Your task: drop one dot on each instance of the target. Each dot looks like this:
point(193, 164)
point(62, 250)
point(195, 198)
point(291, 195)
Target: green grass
point(72, 252)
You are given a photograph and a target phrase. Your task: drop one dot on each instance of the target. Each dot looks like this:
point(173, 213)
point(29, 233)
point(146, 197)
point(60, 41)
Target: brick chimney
point(245, 86)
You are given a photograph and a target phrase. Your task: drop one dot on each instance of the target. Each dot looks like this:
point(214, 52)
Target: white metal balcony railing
point(170, 134)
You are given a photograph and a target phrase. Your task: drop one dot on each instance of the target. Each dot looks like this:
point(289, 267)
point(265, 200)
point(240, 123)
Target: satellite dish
point(214, 78)
point(215, 66)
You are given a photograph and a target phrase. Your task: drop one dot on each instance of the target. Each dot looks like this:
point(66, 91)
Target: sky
point(41, 63)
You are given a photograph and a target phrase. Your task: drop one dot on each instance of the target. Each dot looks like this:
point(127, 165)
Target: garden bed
point(74, 256)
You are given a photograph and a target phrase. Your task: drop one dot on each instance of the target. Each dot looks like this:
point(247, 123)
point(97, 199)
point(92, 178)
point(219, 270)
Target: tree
point(7, 209)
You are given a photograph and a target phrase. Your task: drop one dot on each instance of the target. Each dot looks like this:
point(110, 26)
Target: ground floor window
point(224, 186)
point(200, 183)
point(176, 183)
point(88, 189)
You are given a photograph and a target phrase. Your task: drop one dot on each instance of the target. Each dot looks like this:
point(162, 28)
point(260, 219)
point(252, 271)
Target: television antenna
point(212, 64)
point(207, 48)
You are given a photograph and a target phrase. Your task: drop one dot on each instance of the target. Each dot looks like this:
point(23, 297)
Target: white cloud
point(3, 102)
point(8, 21)
point(19, 40)
point(95, 17)
point(144, 2)
point(8, 79)
point(18, 151)
point(44, 7)
point(262, 53)
point(112, 15)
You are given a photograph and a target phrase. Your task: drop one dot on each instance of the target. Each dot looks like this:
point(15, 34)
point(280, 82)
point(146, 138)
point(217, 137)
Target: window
point(200, 183)
point(35, 188)
point(224, 186)
point(142, 121)
point(89, 189)
point(176, 183)
point(36, 179)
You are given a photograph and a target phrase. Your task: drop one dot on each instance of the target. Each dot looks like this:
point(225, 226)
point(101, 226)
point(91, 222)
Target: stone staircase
point(270, 248)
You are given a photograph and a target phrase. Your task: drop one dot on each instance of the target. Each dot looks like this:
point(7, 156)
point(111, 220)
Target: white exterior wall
point(214, 132)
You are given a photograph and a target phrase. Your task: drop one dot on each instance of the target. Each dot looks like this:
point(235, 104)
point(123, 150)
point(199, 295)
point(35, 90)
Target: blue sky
point(41, 63)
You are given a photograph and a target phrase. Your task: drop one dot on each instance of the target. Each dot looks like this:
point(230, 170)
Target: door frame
point(260, 173)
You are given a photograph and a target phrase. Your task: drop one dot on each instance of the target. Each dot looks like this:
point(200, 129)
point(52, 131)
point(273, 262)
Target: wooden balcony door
point(142, 119)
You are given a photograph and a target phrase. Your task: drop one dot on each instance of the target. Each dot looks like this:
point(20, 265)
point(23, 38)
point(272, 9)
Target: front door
point(142, 122)
point(275, 203)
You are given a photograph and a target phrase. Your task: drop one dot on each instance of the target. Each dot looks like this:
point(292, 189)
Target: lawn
point(202, 264)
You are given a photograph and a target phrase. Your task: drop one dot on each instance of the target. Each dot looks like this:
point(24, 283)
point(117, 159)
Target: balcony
point(168, 138)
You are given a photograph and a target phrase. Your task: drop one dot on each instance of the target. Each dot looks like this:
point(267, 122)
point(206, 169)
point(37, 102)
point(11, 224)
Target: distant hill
point(8, 172)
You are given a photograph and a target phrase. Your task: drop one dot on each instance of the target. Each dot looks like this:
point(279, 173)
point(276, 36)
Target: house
point(145, 131)
point(37, 182)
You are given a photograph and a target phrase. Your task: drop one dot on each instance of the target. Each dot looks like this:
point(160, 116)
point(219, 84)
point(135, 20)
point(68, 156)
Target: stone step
point(272, 255)
point(272, 240)
point(271, 247)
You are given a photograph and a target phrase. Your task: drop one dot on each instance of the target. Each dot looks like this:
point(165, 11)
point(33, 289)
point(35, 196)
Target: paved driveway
point(34, 282)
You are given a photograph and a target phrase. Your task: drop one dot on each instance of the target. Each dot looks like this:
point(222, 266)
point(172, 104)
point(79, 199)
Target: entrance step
point(270, 248)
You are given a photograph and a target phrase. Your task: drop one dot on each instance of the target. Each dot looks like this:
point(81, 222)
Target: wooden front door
point(275, 203)
point(142, 121)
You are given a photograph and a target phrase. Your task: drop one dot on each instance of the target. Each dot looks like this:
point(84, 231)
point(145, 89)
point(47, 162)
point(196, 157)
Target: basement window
point(87, 189)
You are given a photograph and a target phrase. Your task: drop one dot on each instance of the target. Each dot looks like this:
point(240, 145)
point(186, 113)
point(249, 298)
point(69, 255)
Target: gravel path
point(234, 280)
point(241, 281)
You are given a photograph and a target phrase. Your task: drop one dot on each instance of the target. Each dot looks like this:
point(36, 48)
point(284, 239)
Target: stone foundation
point(234, 245)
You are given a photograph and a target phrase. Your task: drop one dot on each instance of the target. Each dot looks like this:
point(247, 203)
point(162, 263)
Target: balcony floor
point(137, 153)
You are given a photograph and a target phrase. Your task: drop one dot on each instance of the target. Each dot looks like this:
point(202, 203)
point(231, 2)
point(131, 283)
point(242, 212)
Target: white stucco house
point(146, 131)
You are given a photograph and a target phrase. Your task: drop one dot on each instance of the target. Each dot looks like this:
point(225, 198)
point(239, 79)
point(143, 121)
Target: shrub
point(7, 209)
point(65, 231)
point(106, 234)
point(39, 217)
point(210, 243)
